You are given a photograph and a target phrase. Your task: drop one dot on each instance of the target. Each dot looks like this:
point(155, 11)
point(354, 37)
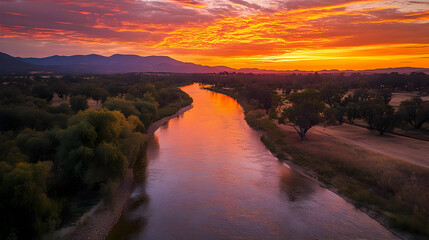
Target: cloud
point(215, 29)
point(190, 3)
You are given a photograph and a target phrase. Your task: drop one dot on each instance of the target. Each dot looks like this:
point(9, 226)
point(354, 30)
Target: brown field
point(398, 97)
point(408, 149)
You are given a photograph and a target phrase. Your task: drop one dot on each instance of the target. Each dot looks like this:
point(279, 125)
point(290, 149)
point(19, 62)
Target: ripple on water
point(210, 177)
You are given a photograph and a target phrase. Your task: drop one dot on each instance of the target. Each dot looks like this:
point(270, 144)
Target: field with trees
point(388, 188)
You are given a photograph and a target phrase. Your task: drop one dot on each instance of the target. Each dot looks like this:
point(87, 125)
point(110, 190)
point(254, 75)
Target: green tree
point(379, 115)
point(99, 94)
point(61, 89)
point(276, 100)
point(109, 164)
point(415, 111)
point(78, 103)
point(385, 94)
point(335, 114)
point(11, 95)
point(148, 108)
point(62, 108)
point(304, 112)
point(27, 211)
point(42, 90)
point(136, 124)
point(124, 106)
point(39, 146)
point(90, 148)
point(331, 93)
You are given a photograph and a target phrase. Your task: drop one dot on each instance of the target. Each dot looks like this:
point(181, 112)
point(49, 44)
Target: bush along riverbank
point(392, 191)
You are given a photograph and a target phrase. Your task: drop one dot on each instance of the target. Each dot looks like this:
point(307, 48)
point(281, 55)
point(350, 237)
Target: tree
point(11, 95)
point(99, 94)
point(385, 94)
point(415, 111)
point(26, 210)
point(124, 106)
point(148, 108)
point(42, 90)
point(61, 89)
point(332, 93)
point(78, 103)
point(136, 124)
point(335, 114)
point(90, 148)
point(262, 94)
point(304, 112)
point(276, 102)
point(39, 146)
point(379, 115)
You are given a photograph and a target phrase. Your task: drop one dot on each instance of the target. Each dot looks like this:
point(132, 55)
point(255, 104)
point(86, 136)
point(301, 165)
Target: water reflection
point(164, 125)
point(295, 187)
point(210, 177)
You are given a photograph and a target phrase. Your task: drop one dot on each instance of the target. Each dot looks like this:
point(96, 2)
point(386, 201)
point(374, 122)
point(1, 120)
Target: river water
point(210, 177)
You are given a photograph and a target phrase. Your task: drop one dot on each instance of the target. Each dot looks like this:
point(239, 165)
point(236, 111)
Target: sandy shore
point(97, 223)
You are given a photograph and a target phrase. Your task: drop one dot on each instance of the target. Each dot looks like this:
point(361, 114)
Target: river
point(210, 177)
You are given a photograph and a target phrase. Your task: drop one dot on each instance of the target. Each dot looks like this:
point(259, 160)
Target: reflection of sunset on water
point(210, 177)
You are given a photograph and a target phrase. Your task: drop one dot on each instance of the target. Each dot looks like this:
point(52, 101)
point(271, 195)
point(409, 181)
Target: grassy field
point(388, 187)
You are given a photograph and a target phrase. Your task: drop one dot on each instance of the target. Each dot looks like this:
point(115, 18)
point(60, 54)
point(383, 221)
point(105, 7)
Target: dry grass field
point(408, 149)
point(398, 97)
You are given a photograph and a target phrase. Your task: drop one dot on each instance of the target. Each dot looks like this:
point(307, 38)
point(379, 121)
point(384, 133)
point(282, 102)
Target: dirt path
point(412, 150)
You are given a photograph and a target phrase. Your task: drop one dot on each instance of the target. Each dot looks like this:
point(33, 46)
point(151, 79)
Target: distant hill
point(10, 64)
point(120, 64)
point(132, 63)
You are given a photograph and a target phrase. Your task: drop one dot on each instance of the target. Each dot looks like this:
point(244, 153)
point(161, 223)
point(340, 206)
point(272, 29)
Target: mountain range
point(132, 63)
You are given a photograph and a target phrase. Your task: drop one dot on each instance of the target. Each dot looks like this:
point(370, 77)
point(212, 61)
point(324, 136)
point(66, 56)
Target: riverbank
point(155, 125)
point(99, 221)
point(103, 216)
point(390, 190)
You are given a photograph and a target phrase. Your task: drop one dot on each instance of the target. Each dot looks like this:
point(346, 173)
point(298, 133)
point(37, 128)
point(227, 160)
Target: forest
point(58, 155)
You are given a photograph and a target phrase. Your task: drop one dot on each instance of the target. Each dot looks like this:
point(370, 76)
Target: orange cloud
point(295, 34)
point(190, 3)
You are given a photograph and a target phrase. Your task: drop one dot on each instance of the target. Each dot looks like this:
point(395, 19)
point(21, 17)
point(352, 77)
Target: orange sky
point(268, 34)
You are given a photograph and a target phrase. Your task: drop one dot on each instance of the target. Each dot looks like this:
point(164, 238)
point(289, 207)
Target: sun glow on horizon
point(288, 35)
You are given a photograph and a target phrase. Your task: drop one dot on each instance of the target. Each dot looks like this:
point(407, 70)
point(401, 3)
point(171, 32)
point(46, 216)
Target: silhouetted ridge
point(121, 63)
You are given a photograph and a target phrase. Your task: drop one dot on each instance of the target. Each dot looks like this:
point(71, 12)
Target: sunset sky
point(268, 34)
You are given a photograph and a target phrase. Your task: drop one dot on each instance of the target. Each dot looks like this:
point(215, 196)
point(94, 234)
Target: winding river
point(210, 177)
